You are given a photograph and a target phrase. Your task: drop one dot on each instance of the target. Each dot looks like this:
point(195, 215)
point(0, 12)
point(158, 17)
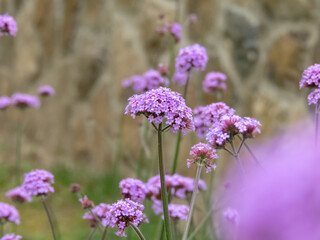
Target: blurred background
point(85, 48)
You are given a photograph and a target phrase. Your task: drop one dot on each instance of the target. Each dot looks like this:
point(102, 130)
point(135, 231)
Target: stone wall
point(85, 48)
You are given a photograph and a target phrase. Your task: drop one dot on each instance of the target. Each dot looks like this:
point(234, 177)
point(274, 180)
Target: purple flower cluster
point(23, 101)
point(202, 154)
point(86, 203)
point(163, 69)
point(231, 215)
point(175, 29)
point(207, 116)
point(38, 183)
point(8, 25)
point(9, 213)
point(122, 214)
point(176, 211)
point(229, 126)
point(314, 96)
point(160, 104)
point(180, 78)
point(151, 79)
point(11, 236)
point(46, 91)
point(101, 212)
point(191, 57)
point(19, 194)
point(133, 189)
point(311, 76)
point(5, 102)
point(214, 81)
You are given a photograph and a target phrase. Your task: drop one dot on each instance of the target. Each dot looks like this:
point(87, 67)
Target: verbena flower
point(38, 182)
point(19, 194)
point(163, 69)
point(311, 76)
point(207, 116)
point(191, 57)
point(313, 97)
point(251, 127)
point(214, 81)
point(46, 91)
point(176, 211)
point(180, 78)
point(100, 212)
point(123, 213)
point(86, 203)
point(23, 101)
point(202, 154)
point(231, 215)
point(75, 188)
point(9, 213)
point(11, 236)
point(162, 104)
point(5, 102)
point(8, 25)
point(176, 30)
point(133, 189)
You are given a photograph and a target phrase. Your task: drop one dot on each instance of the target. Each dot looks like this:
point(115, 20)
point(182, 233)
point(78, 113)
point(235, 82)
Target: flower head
point(176, 211)
point(311, 76)
point(214, 81)
point(11, 236)
point(75, 188)
point(163, 69)
point(231, 215)
point(19, 194)
point(123, 213)
point(100, 212)
point(191, 57)
point(176, 31)
point(5, 102)
point(8, 25)
point(38, 182)
point(313, 97)
point(180, 78)
point(251, 127)
point(46, 91)
point(23, 101)
point(193, 18)
point(162, 104)
point(203, 154)
point(207, 116)
point(9, 213)
point(86, 203)
point(133, 189)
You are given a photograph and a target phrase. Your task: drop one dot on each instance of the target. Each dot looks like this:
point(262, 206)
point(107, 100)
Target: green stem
point(104, 233)
point(236, 156)
point(92, 233)
point(1, 228)
point(18, 153)
point(193, 199)
point(137, 230)
point(164, 196)
point(176, 154)
point(49, 217)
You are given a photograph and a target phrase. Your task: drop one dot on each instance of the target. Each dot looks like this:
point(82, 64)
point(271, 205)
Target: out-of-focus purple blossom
point(176, 211)
point(311, 76)
point(207, 116)
point(123, 213)
point(133, 189)
point(75, 188)
point(11, 236)
point(38, 182)
point(9, 213)
point(46, 91)
point(86, 203)
point(214, 81)
point(100, 212)
point(8, 25)
point(23, 100)
point(176, 30)
point(203, 154)
point(5, 102)
point(191, 57)
point(231, 215)
point(19, 194)
point(162, 30)
point(313, 97)
point(251, 127)
point(162, 104)
point(193, 18)
point(163, 69)
point(180, 78)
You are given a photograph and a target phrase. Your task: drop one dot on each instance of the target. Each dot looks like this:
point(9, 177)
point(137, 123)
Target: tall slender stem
point(236, 156)
point(317, 123)
point(18, 152)
point(104, 234)
point(137, 230)
point(49, 217)
point(92, 233)
point(1, 228)
point(164, 196)
point(193, 198)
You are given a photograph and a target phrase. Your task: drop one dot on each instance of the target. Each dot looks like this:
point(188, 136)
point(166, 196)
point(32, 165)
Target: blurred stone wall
point(85, 48)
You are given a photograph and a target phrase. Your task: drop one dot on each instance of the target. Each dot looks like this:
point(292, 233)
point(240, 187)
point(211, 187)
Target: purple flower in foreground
point(123, 213)
point(9, 213)
point(176, 30)
point(313, 97)
point(133, 189)
point(214, 81)
point(162, 104)
point(311, 76)
point(38, 182)
point(5, 102)
point(180, 78)
point(203, 154)
point(46, 91)
point(19, 194)
point(231, 215)
point(100, 212)
point(191, 57)
point(8, 25)
point(11, 236)
point(23, 101)
point(207, 116)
